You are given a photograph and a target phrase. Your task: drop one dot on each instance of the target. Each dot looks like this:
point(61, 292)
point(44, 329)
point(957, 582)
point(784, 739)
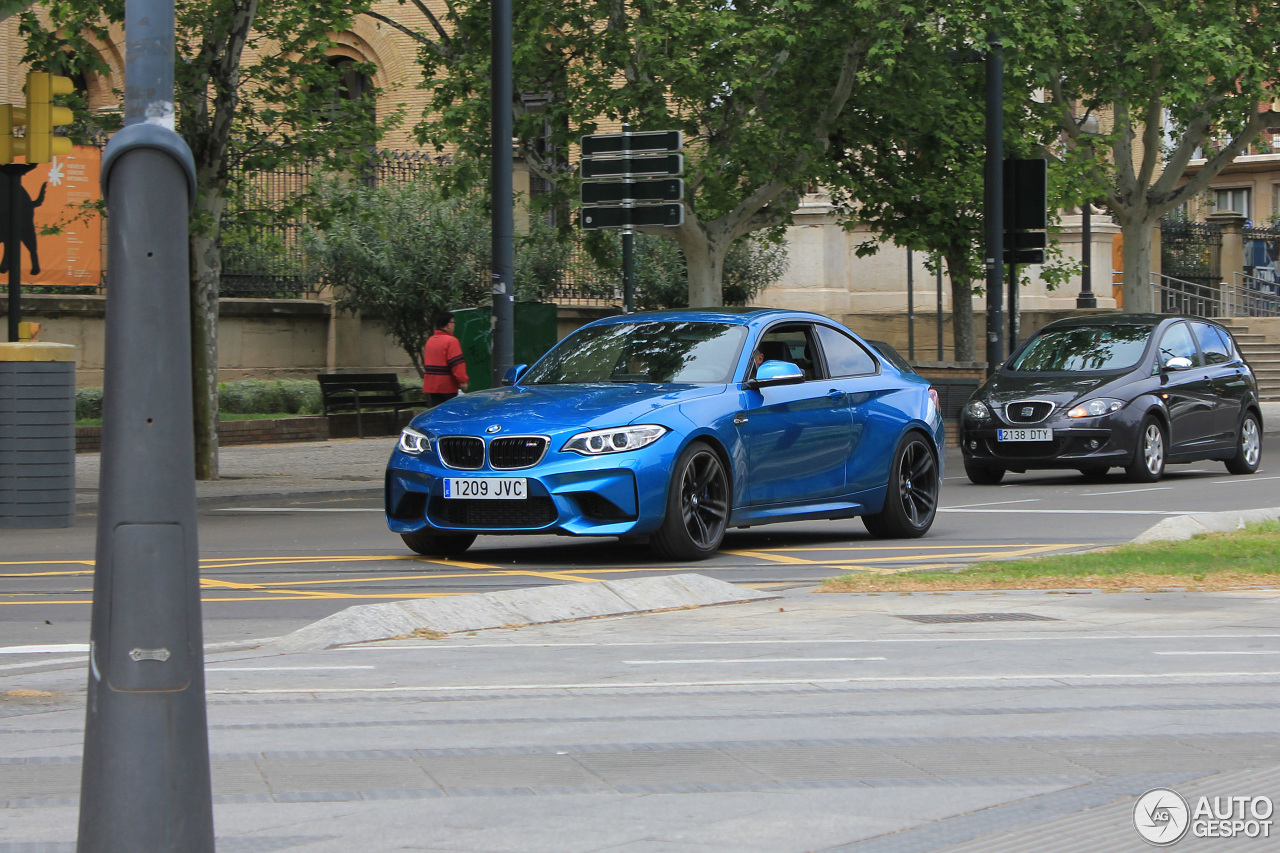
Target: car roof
point(1121, 320)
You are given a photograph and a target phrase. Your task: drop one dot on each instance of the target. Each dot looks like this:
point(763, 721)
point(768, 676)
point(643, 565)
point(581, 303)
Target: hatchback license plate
point(486, 488)
point(1024, 435)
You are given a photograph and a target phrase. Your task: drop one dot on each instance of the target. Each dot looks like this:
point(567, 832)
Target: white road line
point(755, 682)
point(438, 645)
point(63, 649)
point(1242, 652)
point(1241, 481)
point(748, 660)
point(1080, 511)
point(1126, 491)
point(279, 669)
point(997, 503)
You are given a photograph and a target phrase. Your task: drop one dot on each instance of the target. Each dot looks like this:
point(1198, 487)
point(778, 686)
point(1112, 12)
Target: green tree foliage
point(1169, 80)
point(252, 89)
point(403, 253)
point(755, 87)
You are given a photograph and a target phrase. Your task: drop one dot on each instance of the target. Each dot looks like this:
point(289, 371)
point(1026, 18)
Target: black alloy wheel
point(697, 506)
point(438, 544)
point(911, 502)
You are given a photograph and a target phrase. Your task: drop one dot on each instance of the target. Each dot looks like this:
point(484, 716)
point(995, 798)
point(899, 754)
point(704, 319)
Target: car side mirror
point(776, 373)
point(513, 374)
point(1178, 362)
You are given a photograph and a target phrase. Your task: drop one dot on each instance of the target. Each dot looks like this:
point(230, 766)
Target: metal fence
point(1189, 252)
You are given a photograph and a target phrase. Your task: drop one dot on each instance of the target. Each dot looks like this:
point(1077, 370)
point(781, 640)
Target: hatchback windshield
point(1083, 348)
point(666, 351)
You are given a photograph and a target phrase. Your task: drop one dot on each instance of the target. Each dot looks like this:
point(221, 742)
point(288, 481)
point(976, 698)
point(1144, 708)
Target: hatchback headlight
point(617, 440)
point(413, 442)
point(1095, 407)
point(977, 410)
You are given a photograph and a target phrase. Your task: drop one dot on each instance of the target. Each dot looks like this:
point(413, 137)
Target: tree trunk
point(206, 270)
point(1138, 295)
point(961, 308)
point(704, 263)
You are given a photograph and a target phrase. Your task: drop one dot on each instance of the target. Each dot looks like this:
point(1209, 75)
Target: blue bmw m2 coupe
point(675, 426)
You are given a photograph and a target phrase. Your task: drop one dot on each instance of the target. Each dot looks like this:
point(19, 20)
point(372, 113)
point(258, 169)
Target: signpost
point(648, 190)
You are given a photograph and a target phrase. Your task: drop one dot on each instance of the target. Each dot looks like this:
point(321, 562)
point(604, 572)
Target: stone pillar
point(1102, 232)
point(1231, 257)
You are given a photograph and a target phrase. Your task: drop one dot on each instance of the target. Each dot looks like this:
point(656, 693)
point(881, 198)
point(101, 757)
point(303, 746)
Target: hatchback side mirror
point(1178, 362)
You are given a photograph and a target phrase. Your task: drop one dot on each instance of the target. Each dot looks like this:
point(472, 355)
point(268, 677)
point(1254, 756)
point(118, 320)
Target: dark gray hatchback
point(1135, 391)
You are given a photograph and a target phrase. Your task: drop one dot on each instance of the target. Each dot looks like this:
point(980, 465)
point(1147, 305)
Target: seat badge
point(495, 428)
point(1027, 411)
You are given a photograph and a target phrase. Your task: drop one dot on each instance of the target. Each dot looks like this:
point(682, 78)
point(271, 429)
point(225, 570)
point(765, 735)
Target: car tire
point(983, 475)
point(1094, 472)
point(911, 498)
point(1149, 454)
point(697, 506)
point(438, 544)
point(1248, 447)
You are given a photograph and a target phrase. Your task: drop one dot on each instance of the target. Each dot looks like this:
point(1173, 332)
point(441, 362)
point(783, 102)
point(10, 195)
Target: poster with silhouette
point(51, 196)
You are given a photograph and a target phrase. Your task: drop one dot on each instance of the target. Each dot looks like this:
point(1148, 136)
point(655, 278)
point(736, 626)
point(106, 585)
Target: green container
point(535, 333)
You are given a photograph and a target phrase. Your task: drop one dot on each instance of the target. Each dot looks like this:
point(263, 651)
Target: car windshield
point(1076, 349)
point(658, 351)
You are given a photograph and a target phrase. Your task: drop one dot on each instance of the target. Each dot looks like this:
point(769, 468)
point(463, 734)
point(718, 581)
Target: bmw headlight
point(1095, 407)
point(413, 442)
point(616, 440)
point(977, 410)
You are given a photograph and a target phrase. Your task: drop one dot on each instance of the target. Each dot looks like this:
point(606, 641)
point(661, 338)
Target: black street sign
point(617, 167)
point(669, 215)
point(1025, 247)
point(1026, 190)
point(651, 142)
point(614, 192)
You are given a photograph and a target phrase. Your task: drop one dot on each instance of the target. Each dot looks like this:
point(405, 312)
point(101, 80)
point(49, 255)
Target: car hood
point(1059, 390)
point(546, 407)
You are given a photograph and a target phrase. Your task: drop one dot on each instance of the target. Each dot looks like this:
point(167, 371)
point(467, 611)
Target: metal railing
point(1247, 296)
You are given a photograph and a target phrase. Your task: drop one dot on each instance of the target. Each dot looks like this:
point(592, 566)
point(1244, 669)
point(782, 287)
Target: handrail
point(1247, 296)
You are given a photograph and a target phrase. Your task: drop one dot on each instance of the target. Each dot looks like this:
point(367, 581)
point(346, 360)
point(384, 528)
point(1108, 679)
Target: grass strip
point(1249, 557)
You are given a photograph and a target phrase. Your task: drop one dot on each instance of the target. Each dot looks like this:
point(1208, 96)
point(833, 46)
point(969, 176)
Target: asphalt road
point(279, 562)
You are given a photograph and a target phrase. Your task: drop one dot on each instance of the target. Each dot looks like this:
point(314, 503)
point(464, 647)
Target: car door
point(798, 437)
point(852, 369)
point(1188, 393)
point(1227, 374)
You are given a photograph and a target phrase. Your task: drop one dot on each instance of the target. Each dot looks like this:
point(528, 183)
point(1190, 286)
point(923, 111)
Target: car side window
point(789, 343)
point(845, 356)
point(1177, 343)
point(1216, 349)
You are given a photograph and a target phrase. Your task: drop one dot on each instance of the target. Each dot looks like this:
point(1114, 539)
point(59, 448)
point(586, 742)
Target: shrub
point(88, 403)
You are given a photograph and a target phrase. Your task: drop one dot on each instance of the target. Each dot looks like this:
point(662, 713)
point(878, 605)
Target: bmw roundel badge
point(495, 428)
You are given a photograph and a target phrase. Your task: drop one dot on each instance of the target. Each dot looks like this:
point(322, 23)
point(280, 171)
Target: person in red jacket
point(444, 370)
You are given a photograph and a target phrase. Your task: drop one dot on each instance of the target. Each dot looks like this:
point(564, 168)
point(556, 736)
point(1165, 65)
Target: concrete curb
point(560, 603)
point(1186, 526)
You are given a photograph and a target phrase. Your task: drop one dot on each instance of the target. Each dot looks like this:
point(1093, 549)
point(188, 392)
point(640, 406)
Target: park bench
point(360, 393)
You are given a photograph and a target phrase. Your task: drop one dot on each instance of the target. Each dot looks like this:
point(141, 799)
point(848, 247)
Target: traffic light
point(42, 116)
point(11, 146)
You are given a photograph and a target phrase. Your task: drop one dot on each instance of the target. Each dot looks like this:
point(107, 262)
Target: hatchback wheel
point(911, 501)
point(1148, 457)
point(983, 475)
point(1248, 448)
point(697, 507)
point(438, 544)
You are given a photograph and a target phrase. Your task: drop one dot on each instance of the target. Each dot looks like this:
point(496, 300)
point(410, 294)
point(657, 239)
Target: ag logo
point(1161, 816)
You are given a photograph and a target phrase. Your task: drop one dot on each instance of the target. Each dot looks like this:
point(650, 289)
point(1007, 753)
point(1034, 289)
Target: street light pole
point(994, 201)
point(145, 778)
point(501, 194)
point(1086, 299)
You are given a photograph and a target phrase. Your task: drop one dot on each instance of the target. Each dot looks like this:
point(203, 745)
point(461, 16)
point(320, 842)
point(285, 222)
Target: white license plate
point(1024, 435)
point(486, 488)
